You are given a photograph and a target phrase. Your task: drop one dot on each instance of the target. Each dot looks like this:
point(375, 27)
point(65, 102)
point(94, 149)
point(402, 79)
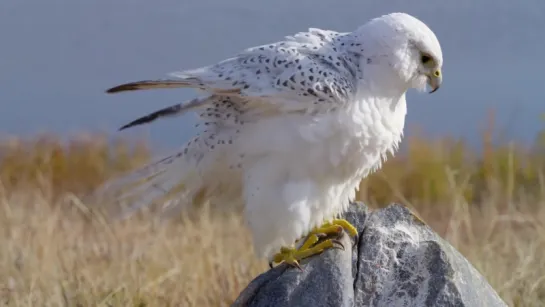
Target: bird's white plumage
point(291, 128)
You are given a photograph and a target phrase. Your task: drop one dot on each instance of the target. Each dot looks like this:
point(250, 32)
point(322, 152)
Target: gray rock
point(397, 261)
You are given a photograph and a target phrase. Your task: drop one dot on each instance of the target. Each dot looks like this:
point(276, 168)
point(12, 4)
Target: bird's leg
point(311, 246)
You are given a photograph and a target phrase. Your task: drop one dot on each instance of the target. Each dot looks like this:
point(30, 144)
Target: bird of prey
point(289, 129)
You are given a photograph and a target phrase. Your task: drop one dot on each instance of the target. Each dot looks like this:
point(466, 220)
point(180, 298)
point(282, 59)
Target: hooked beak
point(434, 80)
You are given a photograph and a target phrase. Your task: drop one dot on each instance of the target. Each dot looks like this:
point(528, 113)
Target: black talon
point(339, 243)
point(271, 265)
point(321, 236)
point(341, 234)
point(296, 265)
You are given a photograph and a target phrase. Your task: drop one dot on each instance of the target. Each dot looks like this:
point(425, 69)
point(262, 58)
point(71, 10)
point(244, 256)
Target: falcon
point(289, 129)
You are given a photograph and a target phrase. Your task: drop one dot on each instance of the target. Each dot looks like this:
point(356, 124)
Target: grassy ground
point(54, 253)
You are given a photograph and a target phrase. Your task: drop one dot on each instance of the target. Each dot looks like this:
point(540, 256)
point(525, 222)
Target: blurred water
point(57, 57)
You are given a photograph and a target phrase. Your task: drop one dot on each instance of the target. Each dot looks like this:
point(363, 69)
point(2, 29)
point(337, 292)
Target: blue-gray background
point(58, 56)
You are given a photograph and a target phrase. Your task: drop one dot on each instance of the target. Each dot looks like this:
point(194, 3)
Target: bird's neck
point(382, 82)
point(386, 104)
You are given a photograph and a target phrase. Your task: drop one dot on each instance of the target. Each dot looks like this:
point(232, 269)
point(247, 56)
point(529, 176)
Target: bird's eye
point(425, 59)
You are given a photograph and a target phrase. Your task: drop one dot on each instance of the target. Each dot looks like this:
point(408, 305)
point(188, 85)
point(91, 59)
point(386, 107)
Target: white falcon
point(289, 129)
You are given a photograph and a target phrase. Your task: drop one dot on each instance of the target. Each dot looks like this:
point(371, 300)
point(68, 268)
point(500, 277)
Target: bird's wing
point(306, 71)
point(171, 111)
point(183, 172)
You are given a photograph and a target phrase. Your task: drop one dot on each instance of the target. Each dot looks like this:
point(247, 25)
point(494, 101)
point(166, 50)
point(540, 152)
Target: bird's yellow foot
point(312, 246)
point(292, 256)
point(352, 231)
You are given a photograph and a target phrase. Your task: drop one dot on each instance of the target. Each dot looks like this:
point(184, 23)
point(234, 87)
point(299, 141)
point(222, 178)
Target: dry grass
point(54, 258)
point(55, 253)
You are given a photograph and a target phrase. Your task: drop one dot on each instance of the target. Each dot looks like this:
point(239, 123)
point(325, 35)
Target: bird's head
point(404, 46)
